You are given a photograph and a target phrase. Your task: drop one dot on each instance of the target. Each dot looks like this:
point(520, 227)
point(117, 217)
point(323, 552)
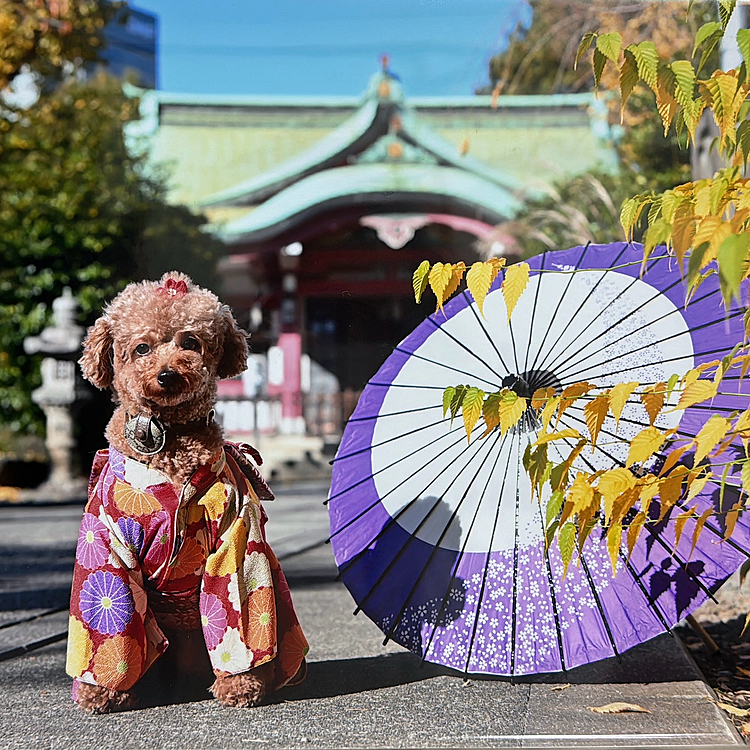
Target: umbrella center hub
point(525, 385)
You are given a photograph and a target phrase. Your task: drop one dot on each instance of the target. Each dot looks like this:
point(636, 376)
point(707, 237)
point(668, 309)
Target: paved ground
point(358, 694)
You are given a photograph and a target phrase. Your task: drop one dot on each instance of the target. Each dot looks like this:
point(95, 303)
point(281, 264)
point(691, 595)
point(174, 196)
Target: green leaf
point(684, 82)
point(695, 261)
point(628, 76)
point(743, 43)
point(448, 395)
point(726, 8)
point(599, 62)
point(732, 260)
point(420, 280)
point(704, 32)
point(554, 506)
point(567, 541)
point(609, 45)
point(647, 60)
point(584, 46)
point(743, 139)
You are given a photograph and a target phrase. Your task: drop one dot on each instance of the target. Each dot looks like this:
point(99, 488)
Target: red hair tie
point(173, 288)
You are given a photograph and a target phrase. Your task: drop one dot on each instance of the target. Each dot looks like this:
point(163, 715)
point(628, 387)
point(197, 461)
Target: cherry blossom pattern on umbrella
point(132, 534)
point(106, 603)
point(92, 550)
point(213, 619)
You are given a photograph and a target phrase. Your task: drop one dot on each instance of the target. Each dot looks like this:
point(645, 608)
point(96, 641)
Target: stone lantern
point(62, 391)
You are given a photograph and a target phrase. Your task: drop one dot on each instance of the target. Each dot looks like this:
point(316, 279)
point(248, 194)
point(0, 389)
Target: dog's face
point(164, 344)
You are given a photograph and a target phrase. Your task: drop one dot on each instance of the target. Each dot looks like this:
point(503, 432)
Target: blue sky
point(437, 47)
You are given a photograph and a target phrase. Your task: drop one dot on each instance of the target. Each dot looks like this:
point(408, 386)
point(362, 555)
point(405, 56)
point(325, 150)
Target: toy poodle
point(174, 583)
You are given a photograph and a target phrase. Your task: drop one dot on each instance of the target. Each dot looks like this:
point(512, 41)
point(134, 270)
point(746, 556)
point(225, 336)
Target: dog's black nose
point(167, 378)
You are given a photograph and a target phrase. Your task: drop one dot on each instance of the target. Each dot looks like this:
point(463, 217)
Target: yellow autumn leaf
point(619, 708)
point(611, 485)
point(709, 437)
point(490, 413)
point(695, 486)
point(653, 400)
point(545, 437)
point(699, 527)
point(673, 458)
point(648, 489)
point(510, 410)
point(548, 411)
point(479, 280)
point(440, 277)
point(614, 540)
point(700, 390)
point(457, 273)
point(634, 530)
point(516, 280)
point(420, 280)
point(679, 524)
point(541, 397)
point(618, 397)
point(644, 445)
point(471, 409)
point(580, 493)
point(670, 490)
point(595, 413)
point(569, 396)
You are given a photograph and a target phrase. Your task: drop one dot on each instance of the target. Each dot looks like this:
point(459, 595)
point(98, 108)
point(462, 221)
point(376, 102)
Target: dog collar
point(147, 434)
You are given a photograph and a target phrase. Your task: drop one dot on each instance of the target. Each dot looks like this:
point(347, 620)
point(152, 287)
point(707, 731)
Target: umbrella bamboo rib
point(462, 552)
point(533, 312)
point(565, 372)
point(414, 536)
point(657, 294)
point(480, 599)
point(461, 344)
point(514, 600)
point(401, 413)
point(557, 309)
point(580, 307)
point(640, 366)
point(447, 367)
point(489, 338)
point(551, 584)
point(397, 461)
point(360, 451)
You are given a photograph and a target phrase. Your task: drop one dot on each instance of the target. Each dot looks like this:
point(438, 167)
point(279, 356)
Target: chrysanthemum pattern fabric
point(143, 547)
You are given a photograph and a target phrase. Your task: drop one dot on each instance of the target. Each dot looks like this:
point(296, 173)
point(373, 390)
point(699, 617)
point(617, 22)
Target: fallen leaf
point(619, 708)
point(745, 728)
point(558, 688)
point(742, 671)
point(730, 709)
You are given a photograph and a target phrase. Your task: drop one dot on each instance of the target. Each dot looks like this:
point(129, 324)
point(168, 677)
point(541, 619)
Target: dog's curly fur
point(145, 331)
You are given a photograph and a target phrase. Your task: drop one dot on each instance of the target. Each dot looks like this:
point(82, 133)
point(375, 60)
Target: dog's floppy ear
point(234, 349)
point(98, 352)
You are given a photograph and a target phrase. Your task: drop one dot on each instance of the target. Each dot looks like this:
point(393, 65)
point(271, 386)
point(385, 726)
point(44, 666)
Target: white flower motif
point(231, 655)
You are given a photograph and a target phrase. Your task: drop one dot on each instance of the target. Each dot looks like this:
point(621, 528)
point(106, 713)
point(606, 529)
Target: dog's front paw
point(100, 700)
point(243, 690)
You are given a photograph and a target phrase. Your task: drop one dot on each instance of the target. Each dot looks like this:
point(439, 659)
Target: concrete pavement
point(358, 693)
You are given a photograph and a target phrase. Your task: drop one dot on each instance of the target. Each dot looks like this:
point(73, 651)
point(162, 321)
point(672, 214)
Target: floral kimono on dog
point(147, 555)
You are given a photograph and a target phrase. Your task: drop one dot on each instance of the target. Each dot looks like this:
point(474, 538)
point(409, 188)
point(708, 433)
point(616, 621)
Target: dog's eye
point(191, 344)
point(142, 349)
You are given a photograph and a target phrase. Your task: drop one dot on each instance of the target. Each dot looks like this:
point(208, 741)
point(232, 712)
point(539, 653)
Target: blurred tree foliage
point(541, 60)
point(78, 207)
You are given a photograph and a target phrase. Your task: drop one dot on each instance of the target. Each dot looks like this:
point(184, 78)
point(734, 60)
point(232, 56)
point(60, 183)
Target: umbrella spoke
point(400, 413)
point(599, 606)
point(557, 310)
point(551, 584)
point(448, 367)
point(543, 364)
point(480, 598)
point(640, 366)
point(463, 346)
point(514, 600)
point(533, 311)
point(413, 535)
point(398, 461)
point(592, 366)
point(360, 451)
point(486, 333)
point(460, 557)
point(633, 311)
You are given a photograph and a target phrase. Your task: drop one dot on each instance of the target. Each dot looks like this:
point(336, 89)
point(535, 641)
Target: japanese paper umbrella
point(438, 539)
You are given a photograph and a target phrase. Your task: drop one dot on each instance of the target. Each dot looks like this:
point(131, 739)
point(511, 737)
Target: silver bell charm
point(145, 434)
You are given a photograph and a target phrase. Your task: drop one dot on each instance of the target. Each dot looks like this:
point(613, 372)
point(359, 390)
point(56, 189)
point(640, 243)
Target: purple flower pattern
point(106, 603)
point(132, 533)
point(92, 550)
point(213, 619)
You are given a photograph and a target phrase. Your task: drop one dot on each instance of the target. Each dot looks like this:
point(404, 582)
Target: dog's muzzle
point(145, 434)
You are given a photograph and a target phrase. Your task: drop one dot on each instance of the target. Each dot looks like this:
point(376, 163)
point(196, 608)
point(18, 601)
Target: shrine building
point(327, 205)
